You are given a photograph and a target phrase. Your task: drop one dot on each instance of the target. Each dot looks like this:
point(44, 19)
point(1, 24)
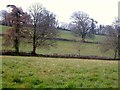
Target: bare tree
point(82, 24)
point(111, 40)
point(43, 27)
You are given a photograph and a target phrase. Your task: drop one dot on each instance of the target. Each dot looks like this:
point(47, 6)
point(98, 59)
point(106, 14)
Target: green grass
point(69, 35)
point(38, 72)
point(66, 34)
point(64, 47)
point(98, 38)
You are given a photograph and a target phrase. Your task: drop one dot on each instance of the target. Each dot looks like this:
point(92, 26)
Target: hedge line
point(13, 53)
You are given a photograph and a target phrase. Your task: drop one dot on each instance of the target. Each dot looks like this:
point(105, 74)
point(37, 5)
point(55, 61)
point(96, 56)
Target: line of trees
point(38, 27)
point(82, 26)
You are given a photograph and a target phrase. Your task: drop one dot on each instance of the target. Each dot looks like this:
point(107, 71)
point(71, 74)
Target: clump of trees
point(100, 30)
point(37, 27)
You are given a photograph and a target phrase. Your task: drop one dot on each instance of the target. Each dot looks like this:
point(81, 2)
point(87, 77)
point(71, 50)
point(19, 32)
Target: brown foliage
point(17, 18)
point(9, 37)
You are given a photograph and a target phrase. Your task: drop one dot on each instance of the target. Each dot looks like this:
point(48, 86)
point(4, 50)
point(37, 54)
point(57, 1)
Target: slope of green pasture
point(38, 72)
point(69, 35)
point(64, 47)
point(98, 38)
point(71, 48)
point(64, 34)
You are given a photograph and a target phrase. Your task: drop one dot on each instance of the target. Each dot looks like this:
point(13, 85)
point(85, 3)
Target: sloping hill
point(69, 35)
point(65, 47)
point(63, 34)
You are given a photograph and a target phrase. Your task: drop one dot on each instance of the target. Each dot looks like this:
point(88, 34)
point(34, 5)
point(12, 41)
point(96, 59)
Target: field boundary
point(12, 53)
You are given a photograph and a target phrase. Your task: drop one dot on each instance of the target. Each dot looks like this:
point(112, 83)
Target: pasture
point(38, 72)
point(66, 47)
point(70, 35)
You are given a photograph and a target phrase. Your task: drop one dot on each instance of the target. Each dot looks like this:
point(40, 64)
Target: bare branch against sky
point(103, 11)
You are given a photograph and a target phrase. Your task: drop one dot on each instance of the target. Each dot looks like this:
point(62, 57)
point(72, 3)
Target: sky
point(103, 11)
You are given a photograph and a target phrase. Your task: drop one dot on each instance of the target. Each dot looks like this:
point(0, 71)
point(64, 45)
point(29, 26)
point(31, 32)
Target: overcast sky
point(103, 11)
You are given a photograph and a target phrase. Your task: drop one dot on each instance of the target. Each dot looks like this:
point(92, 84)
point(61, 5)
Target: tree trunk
point(79, 52)
point(118, 42)
point(34, 46)
point(17, 26)
point(16, 41)
point(16, 45)
point(115, 53)
point(83, 38)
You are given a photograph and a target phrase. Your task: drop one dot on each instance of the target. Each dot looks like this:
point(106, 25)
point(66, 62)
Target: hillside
point(63, 34)
point(65, 47)
point(69, 35)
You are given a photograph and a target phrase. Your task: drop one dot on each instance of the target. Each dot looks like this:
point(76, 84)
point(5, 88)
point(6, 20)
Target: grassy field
point(69, 35)
point(66, 34)
point(38, 72)
point(65, 47)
